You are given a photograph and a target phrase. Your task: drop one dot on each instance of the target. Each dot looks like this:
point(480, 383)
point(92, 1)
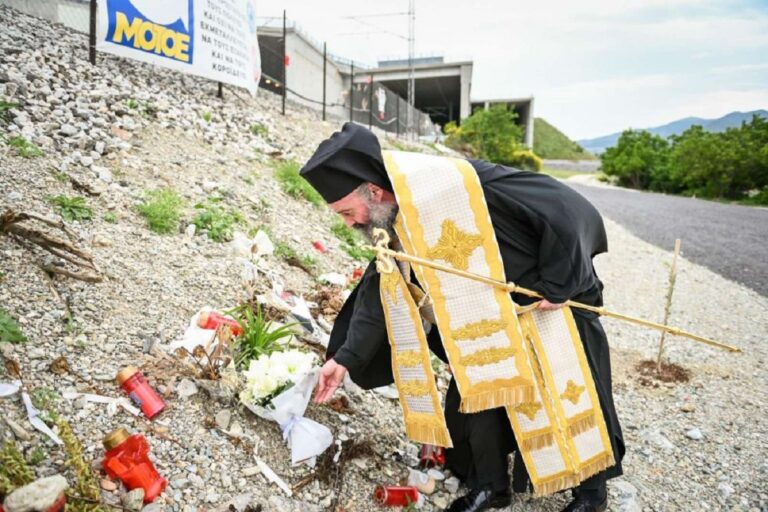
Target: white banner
point(215, 39)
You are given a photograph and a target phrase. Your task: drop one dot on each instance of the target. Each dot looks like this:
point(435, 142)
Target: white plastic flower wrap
point(278, 388)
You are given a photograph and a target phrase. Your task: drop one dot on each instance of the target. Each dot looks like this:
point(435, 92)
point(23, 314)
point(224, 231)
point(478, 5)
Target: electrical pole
point(411, 49)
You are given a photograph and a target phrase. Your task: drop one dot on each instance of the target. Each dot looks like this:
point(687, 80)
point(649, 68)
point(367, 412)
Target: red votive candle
point(431, 456)
point(395, 496)
point(142, 394)
point(214, 320)
point(127, 458)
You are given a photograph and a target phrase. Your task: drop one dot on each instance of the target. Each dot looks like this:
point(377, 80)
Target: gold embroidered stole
point(534, 364)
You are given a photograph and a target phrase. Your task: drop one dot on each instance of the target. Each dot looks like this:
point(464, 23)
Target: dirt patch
point(670, 372)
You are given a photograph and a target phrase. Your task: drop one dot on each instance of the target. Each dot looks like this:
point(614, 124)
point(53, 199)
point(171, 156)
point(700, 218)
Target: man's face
point(353, 208)
point(366, 211)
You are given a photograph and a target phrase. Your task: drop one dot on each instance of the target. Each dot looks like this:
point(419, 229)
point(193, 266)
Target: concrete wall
point(69, 13)
point(305, 76)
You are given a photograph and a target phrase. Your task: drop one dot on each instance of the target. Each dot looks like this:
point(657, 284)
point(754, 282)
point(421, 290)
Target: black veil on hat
point(345, 161)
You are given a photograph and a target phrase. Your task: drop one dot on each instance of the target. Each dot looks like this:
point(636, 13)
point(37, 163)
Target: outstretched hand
point(545, 305)
point(331, 377)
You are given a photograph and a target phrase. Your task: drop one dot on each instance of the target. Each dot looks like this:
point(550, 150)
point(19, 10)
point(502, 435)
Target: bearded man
point(547, 235)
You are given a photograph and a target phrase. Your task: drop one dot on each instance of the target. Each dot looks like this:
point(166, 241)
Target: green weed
point(206, 116)
point(162, 210)
point(287, 174)
point(37, 456)
point(132, 104)
point(216, 220)
point(259, 336)
point(352, 241)
point(110, 218)
point(258, 129)
point(5, 110)
point(24, 148)
point(9, 329)
point(71, 208)
point(44, 399)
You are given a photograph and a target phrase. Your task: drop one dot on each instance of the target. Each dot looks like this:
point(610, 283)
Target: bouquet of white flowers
point(278, 388)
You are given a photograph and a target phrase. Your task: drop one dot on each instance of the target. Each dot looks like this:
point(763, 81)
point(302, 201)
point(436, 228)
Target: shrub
point(525, 159)
point(291, 182)
point(638, 158)
point(216, 220)
point(24, 148)
point(491, 134)
point(162, 210)
point(71, 208)
point(9, 329)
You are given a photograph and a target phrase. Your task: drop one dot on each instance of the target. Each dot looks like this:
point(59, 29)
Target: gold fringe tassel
point(557, 484)
point(538, 442)
point(596, 465)
point(505, 397)
point(581, 425)
point(428, 433)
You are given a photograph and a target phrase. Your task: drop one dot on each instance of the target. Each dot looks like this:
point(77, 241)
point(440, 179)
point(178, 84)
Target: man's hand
point(331, 377)
point(548, 306)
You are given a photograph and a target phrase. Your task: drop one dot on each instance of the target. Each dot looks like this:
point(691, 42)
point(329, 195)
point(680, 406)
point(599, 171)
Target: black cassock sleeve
point(359, 339)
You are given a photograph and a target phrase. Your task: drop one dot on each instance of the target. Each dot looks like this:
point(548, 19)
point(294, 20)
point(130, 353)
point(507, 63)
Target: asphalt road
point(728, 239)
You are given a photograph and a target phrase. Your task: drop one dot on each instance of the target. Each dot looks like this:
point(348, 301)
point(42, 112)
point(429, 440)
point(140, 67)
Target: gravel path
point(729, 239)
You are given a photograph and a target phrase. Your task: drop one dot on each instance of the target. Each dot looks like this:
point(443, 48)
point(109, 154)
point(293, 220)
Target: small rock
point(19, 431)
point(14, 196)
point(68, 130)
point(436, 474)
point(688, 407)
point(108, 485)
point(694, 434)
point(250, 471)
point(223, 418)
point(186, 388)
point(153, 507)
point(180, 483)
point(134, 499)
point(655, 437)
point(440, 501)
point(196, 480)
point(452, 485)
point(190, 231)
point(724, 490)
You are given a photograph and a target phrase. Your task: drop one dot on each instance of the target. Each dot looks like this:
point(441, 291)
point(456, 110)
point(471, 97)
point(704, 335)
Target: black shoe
point(481, 499)
point(583, 504)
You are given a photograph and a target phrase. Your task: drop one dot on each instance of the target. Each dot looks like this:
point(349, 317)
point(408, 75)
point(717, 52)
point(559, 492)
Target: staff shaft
point(513, 288)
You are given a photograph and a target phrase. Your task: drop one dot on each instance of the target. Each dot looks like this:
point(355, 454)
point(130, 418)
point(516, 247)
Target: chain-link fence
point(373, 104)
point(352, 92)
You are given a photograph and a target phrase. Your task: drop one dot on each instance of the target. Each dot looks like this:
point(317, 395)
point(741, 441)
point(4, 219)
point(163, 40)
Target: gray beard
point(382, 216)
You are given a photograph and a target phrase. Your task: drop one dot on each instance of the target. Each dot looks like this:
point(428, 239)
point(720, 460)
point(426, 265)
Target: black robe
point(547, 234)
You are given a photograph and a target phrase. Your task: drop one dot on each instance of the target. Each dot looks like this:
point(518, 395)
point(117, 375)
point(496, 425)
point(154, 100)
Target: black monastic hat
point(345, 161)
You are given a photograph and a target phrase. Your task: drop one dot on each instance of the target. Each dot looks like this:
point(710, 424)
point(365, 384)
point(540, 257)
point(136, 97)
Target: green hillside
point(549, 142)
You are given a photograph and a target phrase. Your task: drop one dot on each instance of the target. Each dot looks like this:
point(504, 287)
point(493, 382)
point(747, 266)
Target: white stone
point(39, 495)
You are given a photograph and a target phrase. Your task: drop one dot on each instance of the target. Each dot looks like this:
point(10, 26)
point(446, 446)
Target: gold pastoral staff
point(383, 251)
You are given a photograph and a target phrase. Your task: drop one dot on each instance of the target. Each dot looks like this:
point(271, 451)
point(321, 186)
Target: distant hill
point(551, 143)
point(732, 120)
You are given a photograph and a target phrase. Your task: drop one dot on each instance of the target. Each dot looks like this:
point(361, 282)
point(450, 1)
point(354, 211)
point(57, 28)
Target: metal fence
point(365, 101)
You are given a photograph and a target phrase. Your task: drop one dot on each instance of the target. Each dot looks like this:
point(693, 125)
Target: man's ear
point(376, 192)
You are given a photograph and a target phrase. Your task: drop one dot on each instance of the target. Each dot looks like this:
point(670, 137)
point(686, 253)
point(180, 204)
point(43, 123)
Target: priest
point(547, 235)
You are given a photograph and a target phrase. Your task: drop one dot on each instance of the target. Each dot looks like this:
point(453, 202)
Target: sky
point(593, 66)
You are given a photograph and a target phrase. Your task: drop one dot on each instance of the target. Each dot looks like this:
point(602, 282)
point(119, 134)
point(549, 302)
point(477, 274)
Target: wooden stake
point(668, 305)
point(382, 251)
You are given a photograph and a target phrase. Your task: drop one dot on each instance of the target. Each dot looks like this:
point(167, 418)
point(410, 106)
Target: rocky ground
point(112, 132)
